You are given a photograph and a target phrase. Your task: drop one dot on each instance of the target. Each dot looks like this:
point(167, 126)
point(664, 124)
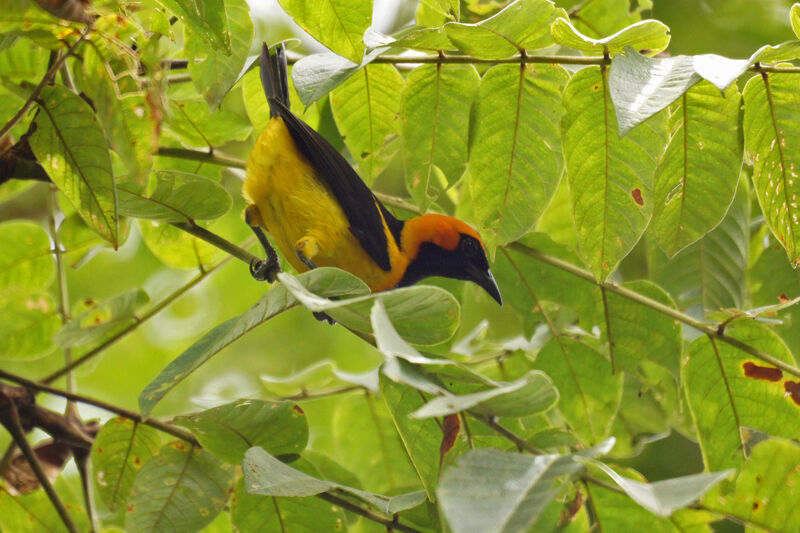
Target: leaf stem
point(48, 76)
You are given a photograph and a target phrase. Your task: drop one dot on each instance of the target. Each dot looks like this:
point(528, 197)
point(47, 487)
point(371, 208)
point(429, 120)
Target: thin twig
point(703, 327)
point(134, 325)
point(48, 76)
point(18, 434)
point(204, 157)
point(215, 240)
point(521, 443)
point(61, 274)
point(136, 417)
point(321, 393)
point(355, 509)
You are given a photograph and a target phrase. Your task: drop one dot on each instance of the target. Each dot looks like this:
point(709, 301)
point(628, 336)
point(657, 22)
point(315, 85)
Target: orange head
point(439, 245)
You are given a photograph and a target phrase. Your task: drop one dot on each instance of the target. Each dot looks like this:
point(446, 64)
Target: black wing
point(362, 209)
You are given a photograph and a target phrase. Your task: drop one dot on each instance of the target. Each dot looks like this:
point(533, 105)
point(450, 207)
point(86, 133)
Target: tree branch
point(48, 76)
point(12, 422)
point(136, 417)
point(711, 331)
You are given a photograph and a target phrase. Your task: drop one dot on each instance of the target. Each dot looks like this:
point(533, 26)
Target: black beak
point(485, 280)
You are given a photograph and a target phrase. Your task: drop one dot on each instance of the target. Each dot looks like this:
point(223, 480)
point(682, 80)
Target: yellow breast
point(294, 204)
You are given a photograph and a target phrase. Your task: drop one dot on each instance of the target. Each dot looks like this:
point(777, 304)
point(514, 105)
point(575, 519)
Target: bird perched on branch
point(305, 194)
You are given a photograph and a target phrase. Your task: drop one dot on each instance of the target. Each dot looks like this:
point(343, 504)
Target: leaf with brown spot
point(450, 429)
point(183, 490)
point(117, 455)
point(752, 370)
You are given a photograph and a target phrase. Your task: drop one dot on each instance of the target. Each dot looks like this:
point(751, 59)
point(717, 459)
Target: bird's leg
point(269, 268)
point(306, 249)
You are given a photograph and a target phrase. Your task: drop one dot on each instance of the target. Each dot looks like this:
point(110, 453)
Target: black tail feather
point(274, 79)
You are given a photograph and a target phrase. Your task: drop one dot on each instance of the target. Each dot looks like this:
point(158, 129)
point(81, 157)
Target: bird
point(320, 213)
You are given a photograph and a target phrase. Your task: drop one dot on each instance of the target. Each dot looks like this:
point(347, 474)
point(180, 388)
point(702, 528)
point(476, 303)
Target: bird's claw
point(264, 270)
point(324, 317)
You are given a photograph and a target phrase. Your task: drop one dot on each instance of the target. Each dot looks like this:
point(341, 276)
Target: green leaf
point(640, 86)
point(34, 512)
point(365, 108)
point(192, 122)
point(526, 282)
point(766, 490)
point(532, 394)
point(523, 24)
point(79, 241)
point(29, 322)
point(647, 36)
point(610, 179)
point(26, 262)
point(729, 390)
point(697, 176)
point(490, 491)
point(422, 314)
point(709, 274)
point(174, 197)
point(325, 281)
point(421, 438)
point(316, 75)
point(636, 333)
point(100, 320)
point(770, 279)
point(377, 456)
point(229, 430)
point(214, 73)
point(787, 51)
point(425, 39)
point(252, 513)
point(181, 488)
point(589, 394)
point(402, 358)
point(206, 18)
point(267, 476)
point(126, 117)
point(78, 164)
point(256, 103)
point(618, 512)
point(772, 140)
point(515, 157)
point(337, 24)
point(663, 498)
point(118, 453)
point(602, 17)
point(437, 12)
point(176, 248)
point(436, 127)
point(794, 15)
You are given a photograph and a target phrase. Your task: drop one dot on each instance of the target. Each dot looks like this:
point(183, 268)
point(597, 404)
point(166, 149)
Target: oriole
point(305, 194)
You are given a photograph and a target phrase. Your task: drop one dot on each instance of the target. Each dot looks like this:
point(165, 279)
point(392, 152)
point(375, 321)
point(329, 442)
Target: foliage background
point(288, 355)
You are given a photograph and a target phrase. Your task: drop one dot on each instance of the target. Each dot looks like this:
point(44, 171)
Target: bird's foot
point(265, 270)
point(324, 317)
